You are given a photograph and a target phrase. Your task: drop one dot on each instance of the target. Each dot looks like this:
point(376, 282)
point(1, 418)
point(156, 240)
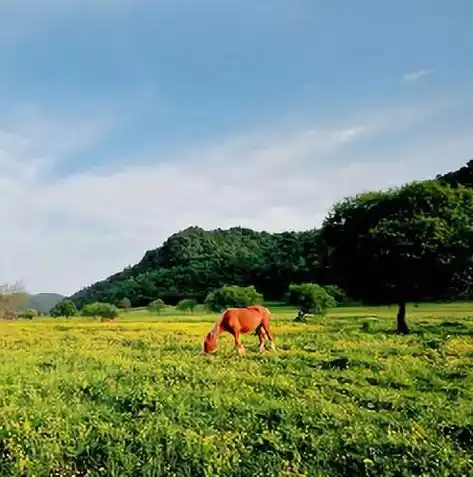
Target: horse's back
point(262, 310)
point(245, 319)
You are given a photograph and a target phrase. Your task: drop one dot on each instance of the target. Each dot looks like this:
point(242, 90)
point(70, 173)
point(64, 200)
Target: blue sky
point(122, 121)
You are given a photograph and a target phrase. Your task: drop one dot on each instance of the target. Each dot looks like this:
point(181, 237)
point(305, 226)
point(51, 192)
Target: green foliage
point(463, 176)
point(66, 308)
point(29, 313)
point(310, 298)
point(157, 306)
point(232, 296)
point(188, 304)
point(139, 401)
point(336, 292)
point(405, 244)
point(125, 304)
point(194, 262)
point(102, 310)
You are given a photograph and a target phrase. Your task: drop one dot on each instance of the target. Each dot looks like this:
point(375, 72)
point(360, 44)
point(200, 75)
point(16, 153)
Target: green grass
point(342, 396)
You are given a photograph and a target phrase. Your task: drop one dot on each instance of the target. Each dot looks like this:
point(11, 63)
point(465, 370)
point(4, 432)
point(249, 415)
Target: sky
point(124, 121)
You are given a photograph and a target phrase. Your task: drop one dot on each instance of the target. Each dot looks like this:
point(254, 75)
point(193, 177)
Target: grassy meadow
point(342, 396)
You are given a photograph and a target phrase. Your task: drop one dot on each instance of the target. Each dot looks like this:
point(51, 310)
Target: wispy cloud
point(64, 233)
point(414, 76)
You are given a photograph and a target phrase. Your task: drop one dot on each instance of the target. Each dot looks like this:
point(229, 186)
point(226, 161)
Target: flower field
point(342, 396)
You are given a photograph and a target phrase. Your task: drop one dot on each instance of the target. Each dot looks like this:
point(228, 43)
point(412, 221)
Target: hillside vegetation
point(193, 262)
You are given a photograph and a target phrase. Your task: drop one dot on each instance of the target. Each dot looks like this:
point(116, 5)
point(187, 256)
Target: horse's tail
point(267, 312)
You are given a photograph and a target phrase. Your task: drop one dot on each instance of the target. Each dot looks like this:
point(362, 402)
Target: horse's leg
point(265, 325)
point(261, 337)
point(236, 339)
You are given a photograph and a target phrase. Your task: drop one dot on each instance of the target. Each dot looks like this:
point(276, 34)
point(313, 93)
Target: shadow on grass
point(451, 328)
point(422, 329)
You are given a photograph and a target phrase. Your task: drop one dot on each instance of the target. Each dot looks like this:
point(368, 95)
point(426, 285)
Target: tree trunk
point(402, 328)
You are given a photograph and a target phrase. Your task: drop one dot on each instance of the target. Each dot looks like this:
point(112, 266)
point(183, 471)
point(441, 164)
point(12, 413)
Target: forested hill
point(194, 261)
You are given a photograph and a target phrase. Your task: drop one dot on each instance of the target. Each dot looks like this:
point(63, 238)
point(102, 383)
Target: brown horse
point(241, 320)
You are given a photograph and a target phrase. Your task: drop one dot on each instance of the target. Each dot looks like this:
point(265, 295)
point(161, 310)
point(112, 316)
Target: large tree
point(404, 244)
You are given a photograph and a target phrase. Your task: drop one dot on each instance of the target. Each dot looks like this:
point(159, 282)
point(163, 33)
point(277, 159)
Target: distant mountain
point(43, 302)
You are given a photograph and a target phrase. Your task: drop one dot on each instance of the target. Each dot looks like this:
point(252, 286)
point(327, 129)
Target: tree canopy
point(310, 298)
point(414, 243)
point(157, 306)
point(100, 310)
point(233, 296)
point(187, 305)
point(66, 308)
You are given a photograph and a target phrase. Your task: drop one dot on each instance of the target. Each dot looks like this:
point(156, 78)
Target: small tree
point(309, 298)
point(29, 314)
point(157, 306)
point(125, 304)
point(66, 308)
point(232, 296)
point(102, 310)
point(12, 299)
point(336, 292)
point(187, 305)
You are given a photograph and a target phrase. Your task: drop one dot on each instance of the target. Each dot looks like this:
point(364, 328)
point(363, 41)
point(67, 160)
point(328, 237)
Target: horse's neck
point(216, 328)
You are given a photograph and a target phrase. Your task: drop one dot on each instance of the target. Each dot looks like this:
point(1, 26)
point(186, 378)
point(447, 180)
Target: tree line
point(194, 262)
point(409, 243)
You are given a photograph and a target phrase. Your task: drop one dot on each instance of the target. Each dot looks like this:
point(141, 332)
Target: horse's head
point(210, 342)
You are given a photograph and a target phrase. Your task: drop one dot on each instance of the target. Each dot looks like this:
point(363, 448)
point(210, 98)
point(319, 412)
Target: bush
point(102, 310)
point(309, 298)
point(188, 304)
point(65, 308)
point(157, 306)
point(29, 314)
point(232, 296)
point(125, 304)
point(336, 292)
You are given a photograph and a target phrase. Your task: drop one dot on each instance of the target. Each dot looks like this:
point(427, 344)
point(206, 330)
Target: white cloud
point(414, 76)
point(59, 234)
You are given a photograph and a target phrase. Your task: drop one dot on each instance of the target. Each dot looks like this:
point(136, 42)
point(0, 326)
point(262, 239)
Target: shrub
point(336, 292)
point(309, 298)
point(188, 304)
point(65, 308)
point(157, 306)
point(125, 304)
point(232, 296)
point(99, 309)
point(29, 314)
